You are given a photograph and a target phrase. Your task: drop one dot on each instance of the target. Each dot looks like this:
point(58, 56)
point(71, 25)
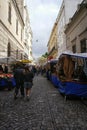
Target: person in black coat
point(19, 78)
point(6, 69)
point(1, 69)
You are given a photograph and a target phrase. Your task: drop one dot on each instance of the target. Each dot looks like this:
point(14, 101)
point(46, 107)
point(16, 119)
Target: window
point(16, 26)
point(74, 48)
point(17, 54)
point(83, 44)
point(9, 13)
point(21, 56)
point(9, 50)
point(21, 34)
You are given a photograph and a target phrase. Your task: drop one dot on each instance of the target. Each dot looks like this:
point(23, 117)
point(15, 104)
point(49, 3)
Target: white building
point(11, 30)
point(76, 30)
point(21, 4)
point(67, 10)
point(27, 35)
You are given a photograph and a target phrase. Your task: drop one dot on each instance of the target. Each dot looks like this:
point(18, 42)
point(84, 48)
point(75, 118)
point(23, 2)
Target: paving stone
point(46, 110)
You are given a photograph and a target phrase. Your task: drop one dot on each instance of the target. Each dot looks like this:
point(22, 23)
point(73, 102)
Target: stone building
point(67, 10)
point(13, 25)
point(52, 43)
point(27, 36)
point(76, 30)
point(11, 30)
point(20, 4)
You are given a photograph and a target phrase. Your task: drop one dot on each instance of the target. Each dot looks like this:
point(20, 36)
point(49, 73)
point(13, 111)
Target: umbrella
point(26, 61)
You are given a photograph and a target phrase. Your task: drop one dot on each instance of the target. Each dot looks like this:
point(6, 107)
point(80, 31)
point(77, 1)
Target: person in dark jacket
point(19, 78)
point(6, 69)
point(28, 81)
point(1, 69)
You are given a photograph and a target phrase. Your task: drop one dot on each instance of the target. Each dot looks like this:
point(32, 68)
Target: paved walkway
point(46, 110)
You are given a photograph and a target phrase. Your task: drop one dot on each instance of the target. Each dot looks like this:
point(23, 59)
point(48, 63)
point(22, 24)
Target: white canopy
point(7, 60)
point(82, 55)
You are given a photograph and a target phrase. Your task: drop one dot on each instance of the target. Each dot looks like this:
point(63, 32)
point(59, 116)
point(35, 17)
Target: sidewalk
point(46, 110)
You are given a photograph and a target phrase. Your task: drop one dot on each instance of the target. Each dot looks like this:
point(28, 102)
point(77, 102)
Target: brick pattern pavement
point(46, 110)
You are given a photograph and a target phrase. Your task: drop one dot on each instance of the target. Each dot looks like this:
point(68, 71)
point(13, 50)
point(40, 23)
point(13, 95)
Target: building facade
point(52, 43)
point(27, 36)
point(76, 30)
point(20, 4)
point(11, 30)
point(67, 10)
point(15, 30)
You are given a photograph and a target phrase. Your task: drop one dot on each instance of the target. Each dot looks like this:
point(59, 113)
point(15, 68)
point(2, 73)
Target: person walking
point(28, 81)
point(19, 78)
point(6, 69)
point(1, 69)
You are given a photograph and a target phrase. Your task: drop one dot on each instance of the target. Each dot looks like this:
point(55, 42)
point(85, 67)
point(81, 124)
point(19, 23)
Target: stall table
point(7, 81)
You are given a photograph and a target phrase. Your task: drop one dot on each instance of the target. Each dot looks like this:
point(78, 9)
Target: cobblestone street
point(46, 110)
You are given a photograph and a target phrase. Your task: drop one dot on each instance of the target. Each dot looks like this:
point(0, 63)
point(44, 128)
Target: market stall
point(7, 81)
point(6, 77)
point(72, 74)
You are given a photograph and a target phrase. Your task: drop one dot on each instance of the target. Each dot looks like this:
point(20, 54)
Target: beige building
point(67, 10)
point(27, 36)
point(76, 30)
point(20, 4)
point(52, 43)
point(15, 30)
point(11, 30)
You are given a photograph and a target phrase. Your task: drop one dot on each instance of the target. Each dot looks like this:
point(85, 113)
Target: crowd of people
point(24, 79)
point(23, 76)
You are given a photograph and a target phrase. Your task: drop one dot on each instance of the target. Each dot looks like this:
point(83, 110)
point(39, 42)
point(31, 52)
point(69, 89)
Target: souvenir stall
point(72, 74)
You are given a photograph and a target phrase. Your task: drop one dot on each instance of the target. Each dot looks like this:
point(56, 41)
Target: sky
point(42, 14)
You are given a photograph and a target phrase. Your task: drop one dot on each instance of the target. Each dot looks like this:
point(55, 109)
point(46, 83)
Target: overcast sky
point(43, 14)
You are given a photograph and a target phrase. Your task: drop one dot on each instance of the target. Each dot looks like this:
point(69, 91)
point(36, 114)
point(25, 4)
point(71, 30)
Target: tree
point(45, 55)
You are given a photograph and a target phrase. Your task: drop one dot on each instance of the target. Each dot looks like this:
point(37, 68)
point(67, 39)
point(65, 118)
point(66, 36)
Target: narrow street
point(46, 110)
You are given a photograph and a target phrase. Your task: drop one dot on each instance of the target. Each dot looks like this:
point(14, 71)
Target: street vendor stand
point(7, 79)
point(72, 74)
point(51, 71)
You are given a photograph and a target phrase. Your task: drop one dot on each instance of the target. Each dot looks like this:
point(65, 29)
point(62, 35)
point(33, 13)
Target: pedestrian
point(34, 70)
point(6, 69)
point(19, 78)
point(28, 81)
point(1, 69)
